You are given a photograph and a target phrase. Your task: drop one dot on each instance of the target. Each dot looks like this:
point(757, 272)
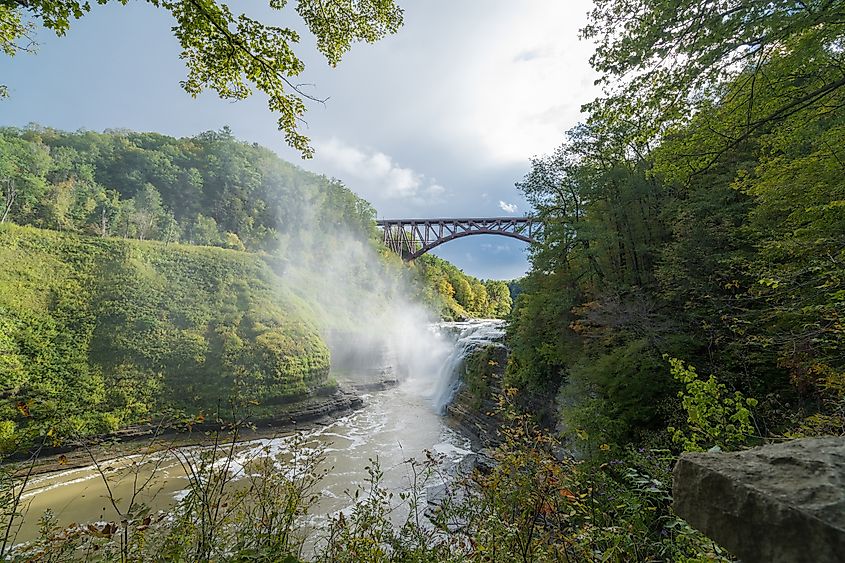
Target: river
point(394, 425)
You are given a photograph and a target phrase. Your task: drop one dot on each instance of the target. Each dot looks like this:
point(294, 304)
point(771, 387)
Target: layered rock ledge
point(776, 503)
point(319, 408)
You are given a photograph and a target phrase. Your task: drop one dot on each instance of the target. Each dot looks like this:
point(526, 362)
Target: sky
point(439, 120)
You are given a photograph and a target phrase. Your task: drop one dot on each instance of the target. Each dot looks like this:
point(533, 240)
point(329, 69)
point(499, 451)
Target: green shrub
point(7, 436)
point(619, 393)
point(715, 417)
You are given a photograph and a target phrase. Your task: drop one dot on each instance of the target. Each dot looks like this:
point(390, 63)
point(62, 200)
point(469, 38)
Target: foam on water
point(395, 426)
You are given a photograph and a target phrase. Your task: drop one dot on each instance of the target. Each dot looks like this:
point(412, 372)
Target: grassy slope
point(99, 333)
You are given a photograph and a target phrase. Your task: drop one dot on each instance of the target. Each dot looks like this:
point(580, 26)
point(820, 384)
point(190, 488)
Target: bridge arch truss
point(411, 238)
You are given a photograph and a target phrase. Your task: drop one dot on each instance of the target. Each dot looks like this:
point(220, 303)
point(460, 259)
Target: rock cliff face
point(318, 408)
point(472, 410)
point(778, 503)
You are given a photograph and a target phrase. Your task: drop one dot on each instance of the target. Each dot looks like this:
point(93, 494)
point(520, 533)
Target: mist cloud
point(366, 307)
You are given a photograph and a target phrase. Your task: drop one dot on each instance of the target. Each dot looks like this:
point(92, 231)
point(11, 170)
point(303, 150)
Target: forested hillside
point(99, 333)
point(210, 190)
point(460, 295)
point(698, 214)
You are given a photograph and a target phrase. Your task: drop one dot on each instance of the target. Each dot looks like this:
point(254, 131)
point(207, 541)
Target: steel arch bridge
point(411, 238)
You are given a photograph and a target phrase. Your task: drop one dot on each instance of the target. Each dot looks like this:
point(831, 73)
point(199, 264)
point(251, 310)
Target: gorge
point(394, 424)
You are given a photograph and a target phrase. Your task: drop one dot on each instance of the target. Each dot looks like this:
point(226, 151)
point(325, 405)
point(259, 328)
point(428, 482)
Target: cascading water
point(472, 335)
point(396, 424)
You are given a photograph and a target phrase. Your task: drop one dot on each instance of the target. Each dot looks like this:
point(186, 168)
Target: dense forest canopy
point(689, 292)
point(228, 52)
point(700, 213)
point(461, 295)
point(210, 189)
point(661, 62)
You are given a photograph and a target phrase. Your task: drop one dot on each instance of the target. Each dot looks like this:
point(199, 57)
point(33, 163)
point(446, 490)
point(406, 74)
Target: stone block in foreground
point(777, 503)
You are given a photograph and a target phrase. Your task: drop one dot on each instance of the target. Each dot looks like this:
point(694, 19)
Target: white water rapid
point(394, 425)
point(471, 335)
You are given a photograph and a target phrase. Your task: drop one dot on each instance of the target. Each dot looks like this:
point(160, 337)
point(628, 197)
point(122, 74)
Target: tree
point(15, 36)
point(23, 167)
point(204, 231)
point(106, 206)
point(443, 286)
point(463, 291)
point(148, 211)
point(479, 304)
point(57, 204)
point(231, 241)
point(664, 61)
point(231, 53)
point(124, 218)
point(169, 230)
point(500, 298)
point(10, 194)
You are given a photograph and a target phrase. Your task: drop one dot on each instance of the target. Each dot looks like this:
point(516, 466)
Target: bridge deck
point(414, 237)
point(524, 219)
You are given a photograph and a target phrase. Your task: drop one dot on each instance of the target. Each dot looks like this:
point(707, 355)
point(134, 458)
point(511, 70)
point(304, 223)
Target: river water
point(395, 425)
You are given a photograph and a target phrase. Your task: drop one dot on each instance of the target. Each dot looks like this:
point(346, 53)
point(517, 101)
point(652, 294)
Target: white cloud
point(496, 248)
point(436, 189)
point(508, 207)
point(516, 78)
point(522, 91)
point(375, 175)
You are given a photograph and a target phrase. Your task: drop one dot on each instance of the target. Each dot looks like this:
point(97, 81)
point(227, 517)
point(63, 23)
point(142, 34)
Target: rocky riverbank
point(315, 410)
point(474, 407)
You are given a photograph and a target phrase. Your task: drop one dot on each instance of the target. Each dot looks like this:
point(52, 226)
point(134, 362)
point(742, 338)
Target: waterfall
point(471, 336)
